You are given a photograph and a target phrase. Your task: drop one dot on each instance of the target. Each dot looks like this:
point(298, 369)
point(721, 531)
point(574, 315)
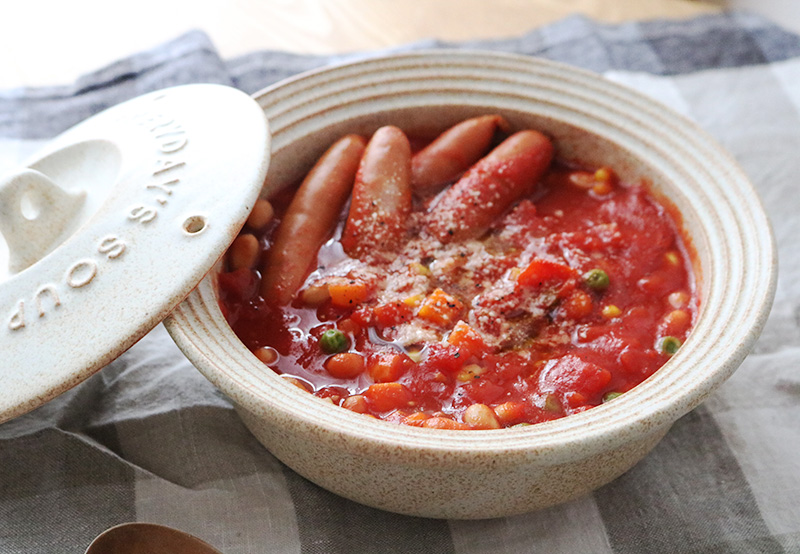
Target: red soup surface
point(451, 288)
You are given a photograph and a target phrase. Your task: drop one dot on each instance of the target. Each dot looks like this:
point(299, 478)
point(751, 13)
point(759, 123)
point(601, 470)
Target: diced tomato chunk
point(238, 285)
point(362, 317)
point(542, 272)
point(571, 374)
point(444, 357)
point(387, 315)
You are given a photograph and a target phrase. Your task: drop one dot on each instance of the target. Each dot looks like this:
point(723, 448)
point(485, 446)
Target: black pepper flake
point(450, 232)
point(457, 354)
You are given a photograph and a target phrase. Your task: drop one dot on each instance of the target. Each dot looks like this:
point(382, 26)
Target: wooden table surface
point(53, 42)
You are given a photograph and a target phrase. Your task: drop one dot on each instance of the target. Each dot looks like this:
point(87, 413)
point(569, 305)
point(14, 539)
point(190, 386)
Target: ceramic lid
point(113, 224)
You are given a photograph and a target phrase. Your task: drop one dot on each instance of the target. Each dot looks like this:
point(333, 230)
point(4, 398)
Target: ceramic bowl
point(481, 474)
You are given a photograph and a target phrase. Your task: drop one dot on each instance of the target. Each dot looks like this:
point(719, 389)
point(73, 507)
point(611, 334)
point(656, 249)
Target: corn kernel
point(470, 372)
point(414, 301)
point(672, 257)
point(603, 174)
point(678, 299)
point(419, 269)
point(611, 311)
point(602, 188)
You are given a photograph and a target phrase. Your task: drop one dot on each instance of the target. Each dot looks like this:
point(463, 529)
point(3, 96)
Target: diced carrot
point(575, 399)
point(440, 308)
point(345, 365)
point(349, 293)
point(415, 419)
point(509, 413)
point(385, 367)
point(464, 336)
point(384, 397)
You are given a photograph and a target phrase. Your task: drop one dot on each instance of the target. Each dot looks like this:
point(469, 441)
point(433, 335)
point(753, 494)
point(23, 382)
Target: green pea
point(333, 341)
point(670, 345)
point(596, 279)
point(609, 396)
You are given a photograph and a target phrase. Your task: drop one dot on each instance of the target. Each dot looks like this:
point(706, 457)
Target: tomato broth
point(567, 293)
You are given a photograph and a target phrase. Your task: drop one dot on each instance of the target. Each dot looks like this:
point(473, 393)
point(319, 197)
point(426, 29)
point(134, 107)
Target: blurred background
point(45, 42)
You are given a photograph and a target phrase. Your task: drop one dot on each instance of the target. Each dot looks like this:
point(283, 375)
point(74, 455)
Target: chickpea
point(261, 215)
point(481, 416)
point(244, 252)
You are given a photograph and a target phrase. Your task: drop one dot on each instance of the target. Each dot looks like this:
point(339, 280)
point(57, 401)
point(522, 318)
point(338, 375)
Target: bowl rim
point(645, 409)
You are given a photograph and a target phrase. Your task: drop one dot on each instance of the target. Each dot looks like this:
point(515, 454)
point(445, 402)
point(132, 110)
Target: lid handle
point(35, 216)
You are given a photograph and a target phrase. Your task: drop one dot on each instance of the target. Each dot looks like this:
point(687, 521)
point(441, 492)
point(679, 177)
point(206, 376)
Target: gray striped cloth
point(149, 439)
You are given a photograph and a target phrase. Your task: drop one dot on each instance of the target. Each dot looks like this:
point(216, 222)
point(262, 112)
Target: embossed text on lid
point(113, 224)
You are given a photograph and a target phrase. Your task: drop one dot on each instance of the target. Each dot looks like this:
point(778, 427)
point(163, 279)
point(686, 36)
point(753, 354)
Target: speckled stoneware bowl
point(481, 474)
